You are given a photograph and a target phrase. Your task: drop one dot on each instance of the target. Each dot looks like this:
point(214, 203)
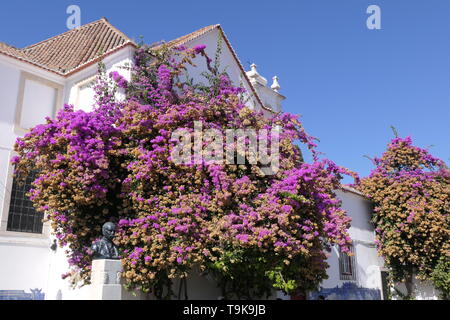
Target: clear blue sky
point(349, 83)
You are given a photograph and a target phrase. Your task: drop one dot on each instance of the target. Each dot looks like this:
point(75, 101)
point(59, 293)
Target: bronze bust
point(105, 248)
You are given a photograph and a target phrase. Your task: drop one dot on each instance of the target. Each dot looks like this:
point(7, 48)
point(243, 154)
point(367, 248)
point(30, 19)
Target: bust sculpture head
point(108, 230)
point(105, 248)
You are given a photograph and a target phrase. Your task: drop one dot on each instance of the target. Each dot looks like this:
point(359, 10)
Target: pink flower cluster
point(114, 163)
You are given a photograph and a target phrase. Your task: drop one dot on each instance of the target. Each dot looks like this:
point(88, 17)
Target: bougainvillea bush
point(250, 231)
point(410, 190)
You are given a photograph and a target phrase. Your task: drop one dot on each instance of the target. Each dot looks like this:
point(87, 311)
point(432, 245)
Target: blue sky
point(349, 83)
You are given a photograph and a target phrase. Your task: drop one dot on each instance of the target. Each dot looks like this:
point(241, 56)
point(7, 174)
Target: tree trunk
point(409, 286)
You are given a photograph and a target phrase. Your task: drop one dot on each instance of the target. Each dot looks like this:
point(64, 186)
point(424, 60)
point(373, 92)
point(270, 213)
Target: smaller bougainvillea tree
point(251, 231)
point(410, 190)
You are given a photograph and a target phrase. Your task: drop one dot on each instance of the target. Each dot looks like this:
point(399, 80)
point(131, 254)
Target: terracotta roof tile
point(73, 49)
point(189, 37)
point(78, 48)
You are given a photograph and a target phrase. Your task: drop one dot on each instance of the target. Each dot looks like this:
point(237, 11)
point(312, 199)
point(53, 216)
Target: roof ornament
point(275, 85)
point(255, 76)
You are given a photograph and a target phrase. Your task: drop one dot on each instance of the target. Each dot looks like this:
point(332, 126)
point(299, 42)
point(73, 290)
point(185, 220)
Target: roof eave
point(354, 191)
point(32, 63)
point(98, 59)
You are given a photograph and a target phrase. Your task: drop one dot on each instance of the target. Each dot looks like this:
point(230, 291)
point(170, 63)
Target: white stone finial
point(254, 76)
point(275, 85)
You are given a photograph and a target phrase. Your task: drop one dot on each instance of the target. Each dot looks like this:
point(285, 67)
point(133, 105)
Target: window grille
point(347, 265)
point(22, 216)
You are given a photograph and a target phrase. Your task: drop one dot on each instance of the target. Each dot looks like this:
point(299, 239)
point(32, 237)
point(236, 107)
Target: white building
point(37, 80)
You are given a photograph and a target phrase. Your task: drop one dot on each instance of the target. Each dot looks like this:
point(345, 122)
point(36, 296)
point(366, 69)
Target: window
point(347, 265)
point(22, 216)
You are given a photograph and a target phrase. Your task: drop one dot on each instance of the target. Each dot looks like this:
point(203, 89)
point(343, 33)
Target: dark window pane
point(22, 216)
point(347, 265)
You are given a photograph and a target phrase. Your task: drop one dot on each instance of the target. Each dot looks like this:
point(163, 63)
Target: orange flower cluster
point(411, 192)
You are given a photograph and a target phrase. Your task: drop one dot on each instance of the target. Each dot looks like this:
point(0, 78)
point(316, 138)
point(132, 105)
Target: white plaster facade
point(26, 260)
point(368, 265)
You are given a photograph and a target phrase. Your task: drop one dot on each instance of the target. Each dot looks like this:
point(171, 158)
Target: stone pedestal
point(106, 280)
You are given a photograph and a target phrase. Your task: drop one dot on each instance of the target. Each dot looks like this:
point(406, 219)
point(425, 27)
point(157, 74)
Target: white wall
point(24, 263)
point(58, 288)
point(9, 87)
point(25, 259)
point(368, 264)
point(363, 236)
point(114, 62)
point(38, 102)
point(269, 97)
point(9, 94)
point(227, 63)
point(423, 290)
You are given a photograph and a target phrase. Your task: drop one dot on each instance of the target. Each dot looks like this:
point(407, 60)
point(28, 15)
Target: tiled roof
point(9, 50)
point(78, 48)
point(192, 36)
point(72, 50)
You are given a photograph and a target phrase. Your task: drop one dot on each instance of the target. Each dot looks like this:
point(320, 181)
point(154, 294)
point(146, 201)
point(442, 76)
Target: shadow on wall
point(348, 291)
